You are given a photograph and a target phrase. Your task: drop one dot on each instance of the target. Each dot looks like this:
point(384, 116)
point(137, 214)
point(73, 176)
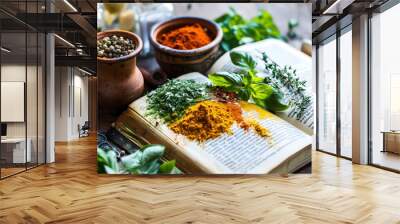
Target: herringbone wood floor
point(70, 191)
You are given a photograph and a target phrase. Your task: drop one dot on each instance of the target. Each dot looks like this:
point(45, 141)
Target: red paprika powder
point(185, 38)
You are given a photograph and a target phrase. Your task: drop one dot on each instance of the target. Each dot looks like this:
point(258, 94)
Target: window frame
point(334, 37)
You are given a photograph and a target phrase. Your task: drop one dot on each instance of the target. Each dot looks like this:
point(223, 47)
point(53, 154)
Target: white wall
point(71, 94)
point(12, 73)
point(62, 81)
point(80, 110)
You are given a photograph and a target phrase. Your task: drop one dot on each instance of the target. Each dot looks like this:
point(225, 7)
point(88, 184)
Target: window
point(327, 96)
point(385, 89)
point(346, 93)
point(333, 137)
point(22, 77)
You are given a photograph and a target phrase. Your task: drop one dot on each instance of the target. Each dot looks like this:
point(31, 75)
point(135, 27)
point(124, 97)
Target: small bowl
point(120, 81)
point(177, 62)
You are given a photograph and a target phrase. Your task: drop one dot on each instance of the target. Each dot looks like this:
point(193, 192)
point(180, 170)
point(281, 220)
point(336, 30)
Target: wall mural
point(195, 88)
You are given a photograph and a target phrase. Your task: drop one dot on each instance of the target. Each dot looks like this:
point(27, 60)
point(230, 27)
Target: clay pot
point(120, 81)
point(177, 62)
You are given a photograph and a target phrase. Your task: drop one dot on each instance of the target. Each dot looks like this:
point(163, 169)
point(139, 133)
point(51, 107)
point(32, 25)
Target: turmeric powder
point(185, 38)
point(260, 130)
point(205, 120)
point(210, 119)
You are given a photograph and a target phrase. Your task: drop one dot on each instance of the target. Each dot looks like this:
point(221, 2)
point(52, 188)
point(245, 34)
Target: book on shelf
point(242, 152)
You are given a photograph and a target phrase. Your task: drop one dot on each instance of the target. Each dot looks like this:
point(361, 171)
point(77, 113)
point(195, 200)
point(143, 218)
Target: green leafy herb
point(243, 60)
point(107, 162)
point(266, 92)
point(260, 91)
point(238, 31)
point(225, 79)
point(286, 78)
point(275, 102)
point(144, 161)
point(170, 101)
point(247, 85)
point(168, 167)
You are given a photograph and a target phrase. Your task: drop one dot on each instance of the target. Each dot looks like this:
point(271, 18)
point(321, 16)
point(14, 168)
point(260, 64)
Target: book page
point(243, 152)
point(283, 55)
point(246, 152)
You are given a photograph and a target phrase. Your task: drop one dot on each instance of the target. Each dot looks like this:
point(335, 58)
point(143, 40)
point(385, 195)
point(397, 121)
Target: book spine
point(131, 123)
point(122, 142)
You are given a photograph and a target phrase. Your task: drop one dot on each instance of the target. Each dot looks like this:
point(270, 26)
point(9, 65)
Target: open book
point(283, 55)
point(244, 152)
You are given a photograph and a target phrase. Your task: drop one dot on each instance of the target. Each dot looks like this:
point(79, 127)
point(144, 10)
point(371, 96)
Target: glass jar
point(150, 14)
point(117, 16)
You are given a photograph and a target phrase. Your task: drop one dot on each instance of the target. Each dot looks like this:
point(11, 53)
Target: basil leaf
point(246, 40)
point(238, 31)
point(243, 59)
point(167, 167)
point(244, 94)
point(222, 18)
point(149, 168)
point(259, 102)
point(247, 79)
point(260, 90)
point(175, 171)
point(101, 156)
point(101, 160)
point(266, 25)
point(152, 152)
point(112, 161)
point(225, 79)
point(275, 102)
point(257, 79)
point(110, 170)
point(133, 161)
point(107, 162)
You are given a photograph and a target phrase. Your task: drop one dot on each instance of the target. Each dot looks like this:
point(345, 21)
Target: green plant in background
point(238, 31)
point(292, 25)
point(144, 161)
point(247, 85)
point(291, 33)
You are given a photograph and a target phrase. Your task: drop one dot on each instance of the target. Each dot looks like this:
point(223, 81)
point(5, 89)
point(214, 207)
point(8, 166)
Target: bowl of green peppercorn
point(120, 81)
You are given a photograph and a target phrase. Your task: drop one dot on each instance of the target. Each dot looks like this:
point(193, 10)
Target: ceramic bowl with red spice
point(183, 55)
